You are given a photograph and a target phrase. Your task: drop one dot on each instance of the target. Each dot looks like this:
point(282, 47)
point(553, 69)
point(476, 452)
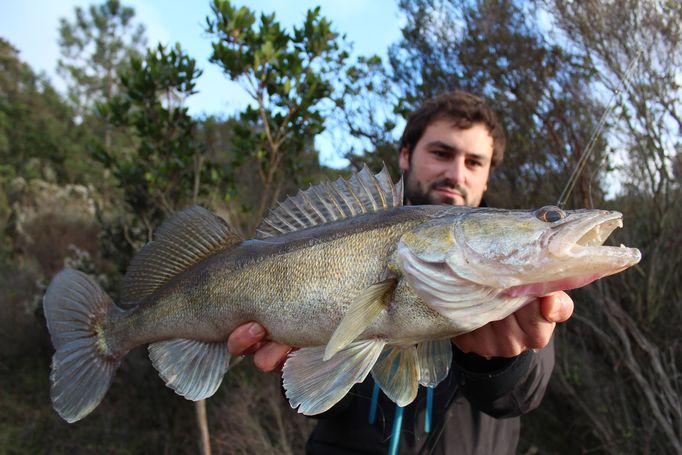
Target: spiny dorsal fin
point(180, 242)
point(326, 202)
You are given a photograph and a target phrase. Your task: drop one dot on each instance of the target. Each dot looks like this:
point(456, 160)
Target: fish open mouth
point(586, 236)
point(597, 235)
point(579, 256)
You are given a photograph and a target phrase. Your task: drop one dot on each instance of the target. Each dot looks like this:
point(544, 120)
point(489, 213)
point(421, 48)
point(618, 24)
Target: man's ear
point(404, 159)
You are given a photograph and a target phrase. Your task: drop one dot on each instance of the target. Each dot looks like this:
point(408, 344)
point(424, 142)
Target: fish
point(357, 281)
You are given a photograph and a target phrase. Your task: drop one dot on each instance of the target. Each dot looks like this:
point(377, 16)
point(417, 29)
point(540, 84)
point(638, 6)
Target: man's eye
point(474, 163)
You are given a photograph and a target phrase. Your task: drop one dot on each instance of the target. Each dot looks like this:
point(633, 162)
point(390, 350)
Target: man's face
point(449, 165)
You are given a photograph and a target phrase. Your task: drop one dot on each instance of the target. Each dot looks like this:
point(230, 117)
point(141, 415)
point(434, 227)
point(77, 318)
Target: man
point(447, 151)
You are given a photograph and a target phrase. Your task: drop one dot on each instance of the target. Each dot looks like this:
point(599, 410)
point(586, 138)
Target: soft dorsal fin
point(181, 241)
point(326, 202)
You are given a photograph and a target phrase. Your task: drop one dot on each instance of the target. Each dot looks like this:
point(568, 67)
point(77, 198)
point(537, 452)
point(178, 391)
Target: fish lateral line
point(416, 276)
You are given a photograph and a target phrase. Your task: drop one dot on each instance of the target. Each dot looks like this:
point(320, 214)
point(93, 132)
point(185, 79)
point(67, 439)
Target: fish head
point(522, 252)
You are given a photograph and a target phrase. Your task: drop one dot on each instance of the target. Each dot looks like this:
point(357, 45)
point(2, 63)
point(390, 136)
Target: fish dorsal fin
point(181, 241)
point(326, 202)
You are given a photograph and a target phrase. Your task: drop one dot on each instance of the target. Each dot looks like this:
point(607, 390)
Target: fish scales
point(381, 292)
point(309, 275)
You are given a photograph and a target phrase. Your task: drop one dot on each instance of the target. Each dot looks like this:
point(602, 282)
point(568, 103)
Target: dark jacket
point(475, 410)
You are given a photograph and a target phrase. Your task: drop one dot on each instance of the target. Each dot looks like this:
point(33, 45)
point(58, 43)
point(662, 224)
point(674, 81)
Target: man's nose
point(455, 170)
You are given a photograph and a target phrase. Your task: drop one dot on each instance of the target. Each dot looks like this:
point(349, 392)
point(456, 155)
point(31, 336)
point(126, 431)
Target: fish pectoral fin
point(314, 386)
point(435, 358)
point(193, 369)
point(397, 374)
point(362, 311)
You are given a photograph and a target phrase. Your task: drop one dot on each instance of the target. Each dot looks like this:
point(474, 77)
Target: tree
point(166, 169)
point(289, 76)
point(37, 135)
point(95, 47)
point(550, 68)
point(630, 333)
point(366, 111)
point(542, 92)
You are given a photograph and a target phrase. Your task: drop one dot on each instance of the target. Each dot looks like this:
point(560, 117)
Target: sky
point(32, 27)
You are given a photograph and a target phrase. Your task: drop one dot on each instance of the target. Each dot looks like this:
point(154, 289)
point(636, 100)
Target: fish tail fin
point(83, 367)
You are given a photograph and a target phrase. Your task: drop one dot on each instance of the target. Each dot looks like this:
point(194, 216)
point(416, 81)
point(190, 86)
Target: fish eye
point(550, 214)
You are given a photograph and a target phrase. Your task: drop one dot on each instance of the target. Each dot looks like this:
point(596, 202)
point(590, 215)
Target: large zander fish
point(342, 270)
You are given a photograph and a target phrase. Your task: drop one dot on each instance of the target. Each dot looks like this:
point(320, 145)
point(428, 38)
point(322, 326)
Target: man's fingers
point(527, 328)
point(271, 356)
point(536, 329)
point(502, 338)
point(556, 307)
point(245, 339)
point(249, 338)
point(530, 327)
point(473, 342)
point(510, 339)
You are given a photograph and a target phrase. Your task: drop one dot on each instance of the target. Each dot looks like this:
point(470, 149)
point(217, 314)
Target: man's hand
point(530, 327)
point(249, 339)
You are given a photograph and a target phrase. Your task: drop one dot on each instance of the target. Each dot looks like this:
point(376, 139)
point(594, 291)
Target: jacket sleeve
point(503, 387)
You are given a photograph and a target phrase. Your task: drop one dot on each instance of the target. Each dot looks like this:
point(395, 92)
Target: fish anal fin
point(313, 385)
point(362, 311)
point(397, 373)
point(181, 241)
point(194, 369)
point(435, 358)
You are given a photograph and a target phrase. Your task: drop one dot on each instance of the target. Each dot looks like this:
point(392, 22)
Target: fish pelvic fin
point(313, 385)
point(397, 373)
point(362, 311)
point(180, 242)
point(193, 369)
point(83, 366)
point(326, 202)
point(435, 358)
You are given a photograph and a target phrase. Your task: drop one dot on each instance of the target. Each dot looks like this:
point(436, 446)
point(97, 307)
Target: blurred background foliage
point(88, 175)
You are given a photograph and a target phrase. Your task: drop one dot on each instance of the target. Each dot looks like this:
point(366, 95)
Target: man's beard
point(416, 194)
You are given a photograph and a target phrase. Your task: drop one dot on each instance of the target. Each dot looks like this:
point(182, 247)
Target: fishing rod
point(591, 145)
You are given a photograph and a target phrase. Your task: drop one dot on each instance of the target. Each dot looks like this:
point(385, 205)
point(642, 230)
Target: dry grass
point(252, 416)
